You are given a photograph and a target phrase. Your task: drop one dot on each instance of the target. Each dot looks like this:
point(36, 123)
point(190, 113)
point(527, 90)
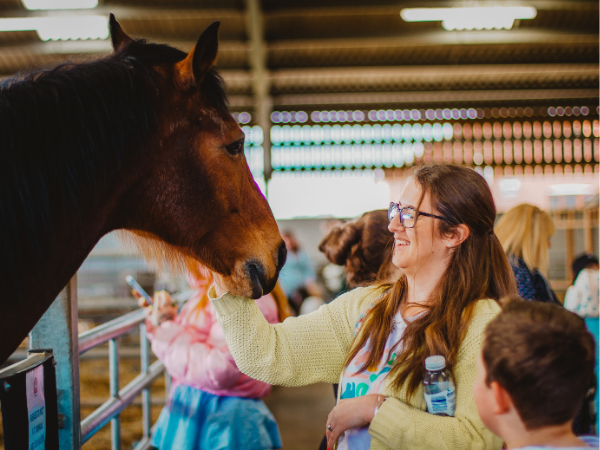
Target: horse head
point(199, 201)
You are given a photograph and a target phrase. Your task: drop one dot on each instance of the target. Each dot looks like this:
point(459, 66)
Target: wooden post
point(263, 103)
point(570, 252)
point(587, 231)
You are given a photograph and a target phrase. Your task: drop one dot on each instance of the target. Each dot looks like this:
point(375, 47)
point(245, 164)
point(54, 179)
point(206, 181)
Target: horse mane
point(158, 254)
point(66, 131)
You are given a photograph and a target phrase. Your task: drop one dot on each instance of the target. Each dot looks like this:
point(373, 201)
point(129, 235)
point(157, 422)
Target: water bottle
point(440, 394)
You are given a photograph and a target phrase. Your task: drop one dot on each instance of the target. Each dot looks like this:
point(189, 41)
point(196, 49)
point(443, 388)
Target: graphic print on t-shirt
point(357, 382)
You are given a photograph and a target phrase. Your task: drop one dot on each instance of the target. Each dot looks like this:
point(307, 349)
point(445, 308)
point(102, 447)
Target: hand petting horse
point(142, 141)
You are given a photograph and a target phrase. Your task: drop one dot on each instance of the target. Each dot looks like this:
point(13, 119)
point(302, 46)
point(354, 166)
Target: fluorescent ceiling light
point(472, 18)
point(59, 28)
point(571, 189)
point(59, 4)
point(510, 185)
point(293, 197)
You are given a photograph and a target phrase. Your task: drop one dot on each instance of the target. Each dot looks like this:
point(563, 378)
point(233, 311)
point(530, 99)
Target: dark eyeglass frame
point(396, 207)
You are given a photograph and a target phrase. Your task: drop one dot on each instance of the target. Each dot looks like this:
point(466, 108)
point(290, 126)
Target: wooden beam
point(260, 78)
point(436, 97)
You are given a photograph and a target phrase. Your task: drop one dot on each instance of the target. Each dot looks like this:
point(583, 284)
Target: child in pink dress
point(212, 405)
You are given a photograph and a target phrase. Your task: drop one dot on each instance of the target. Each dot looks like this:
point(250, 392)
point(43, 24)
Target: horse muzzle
point(257, 275)
point(252, 278)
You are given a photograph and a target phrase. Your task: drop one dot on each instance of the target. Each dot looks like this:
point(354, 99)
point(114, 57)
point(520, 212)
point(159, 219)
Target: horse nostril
point(257, 277)
point(281, 256)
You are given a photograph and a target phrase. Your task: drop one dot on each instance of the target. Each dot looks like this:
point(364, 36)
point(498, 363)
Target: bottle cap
point(437, 362)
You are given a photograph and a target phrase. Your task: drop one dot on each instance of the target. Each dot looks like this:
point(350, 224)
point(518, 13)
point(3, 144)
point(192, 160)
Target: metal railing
point(57, 330)
point(110, 410)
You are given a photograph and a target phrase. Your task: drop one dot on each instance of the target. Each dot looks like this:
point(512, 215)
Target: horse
point(143, 141)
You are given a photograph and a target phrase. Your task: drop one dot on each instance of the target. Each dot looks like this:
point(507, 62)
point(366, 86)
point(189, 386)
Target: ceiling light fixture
point(471, 18)
point(59, 28)
point(59, 4)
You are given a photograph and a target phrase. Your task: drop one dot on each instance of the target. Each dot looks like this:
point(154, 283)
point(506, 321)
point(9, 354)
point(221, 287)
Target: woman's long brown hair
point(478, 269)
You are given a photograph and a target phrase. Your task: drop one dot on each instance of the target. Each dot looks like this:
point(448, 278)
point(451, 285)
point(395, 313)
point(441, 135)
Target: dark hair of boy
point(543, 356)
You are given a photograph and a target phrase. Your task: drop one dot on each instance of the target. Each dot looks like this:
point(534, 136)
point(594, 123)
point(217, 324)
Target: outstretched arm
point(301, 350)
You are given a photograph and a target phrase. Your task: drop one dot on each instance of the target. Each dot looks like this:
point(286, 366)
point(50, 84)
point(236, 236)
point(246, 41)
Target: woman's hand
point(350, 413)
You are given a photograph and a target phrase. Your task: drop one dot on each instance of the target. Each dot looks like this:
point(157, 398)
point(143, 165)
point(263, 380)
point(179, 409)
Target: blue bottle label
point(442, 403)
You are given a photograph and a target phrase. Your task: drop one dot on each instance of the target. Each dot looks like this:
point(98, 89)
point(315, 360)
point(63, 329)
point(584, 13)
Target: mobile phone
point(182, 297)
point(140, 290)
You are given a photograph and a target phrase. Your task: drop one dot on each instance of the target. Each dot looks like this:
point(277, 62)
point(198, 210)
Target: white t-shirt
point(583, 297)
point(356, 383)
point(592, 442)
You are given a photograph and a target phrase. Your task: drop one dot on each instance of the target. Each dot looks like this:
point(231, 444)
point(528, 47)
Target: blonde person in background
point(525, 233)
point(374, 340)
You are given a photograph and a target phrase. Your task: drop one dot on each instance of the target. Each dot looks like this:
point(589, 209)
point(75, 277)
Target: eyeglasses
point(408, 215)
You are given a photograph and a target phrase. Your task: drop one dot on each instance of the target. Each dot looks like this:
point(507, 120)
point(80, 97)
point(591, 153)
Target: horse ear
point(118, 37)
point(202, 57)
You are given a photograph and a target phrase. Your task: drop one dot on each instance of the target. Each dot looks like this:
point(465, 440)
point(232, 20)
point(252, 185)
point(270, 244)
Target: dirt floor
point(300, 412)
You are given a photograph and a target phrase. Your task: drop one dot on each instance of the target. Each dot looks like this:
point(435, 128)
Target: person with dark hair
point(535, 368)
point(364, 248)
point(582, 298)
point(375, 340)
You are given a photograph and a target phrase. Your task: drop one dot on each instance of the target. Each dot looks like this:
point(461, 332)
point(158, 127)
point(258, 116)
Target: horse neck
point(65, 245)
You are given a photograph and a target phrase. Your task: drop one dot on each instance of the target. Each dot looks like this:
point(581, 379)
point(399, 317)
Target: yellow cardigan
point(312, 349)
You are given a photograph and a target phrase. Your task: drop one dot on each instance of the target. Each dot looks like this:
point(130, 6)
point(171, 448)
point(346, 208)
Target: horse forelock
point(213, 88)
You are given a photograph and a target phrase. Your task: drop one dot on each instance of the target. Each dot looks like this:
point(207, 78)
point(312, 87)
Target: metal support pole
point(260, 79)
point(57, 330)
point(113, 363)
point(145, 364)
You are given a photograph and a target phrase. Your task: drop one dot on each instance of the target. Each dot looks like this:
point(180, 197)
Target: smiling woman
point(374, 341)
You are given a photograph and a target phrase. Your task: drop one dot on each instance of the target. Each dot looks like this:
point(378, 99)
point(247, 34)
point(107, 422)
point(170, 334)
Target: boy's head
point(539, 355)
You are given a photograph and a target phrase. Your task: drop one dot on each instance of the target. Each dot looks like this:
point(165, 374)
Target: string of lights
point(428, 132)
point(526, 145)
point(425, 114)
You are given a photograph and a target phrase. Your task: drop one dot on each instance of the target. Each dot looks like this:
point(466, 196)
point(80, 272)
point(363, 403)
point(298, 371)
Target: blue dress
point(196, 420)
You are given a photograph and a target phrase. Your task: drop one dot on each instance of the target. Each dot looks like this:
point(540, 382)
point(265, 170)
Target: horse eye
point(236, 148)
